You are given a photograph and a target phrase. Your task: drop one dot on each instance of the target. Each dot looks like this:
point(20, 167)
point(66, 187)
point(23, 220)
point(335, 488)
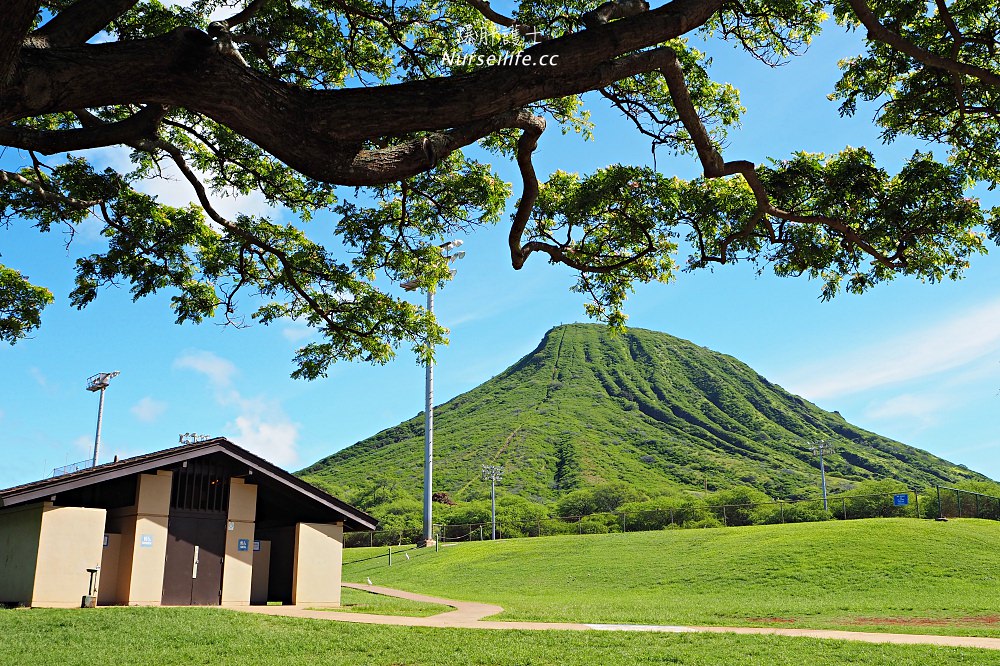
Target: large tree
point(390, 114)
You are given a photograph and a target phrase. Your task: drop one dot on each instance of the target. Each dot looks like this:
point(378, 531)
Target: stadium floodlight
point(493, 474)
point(99, 382)
point(412, 285)
point(820, 448)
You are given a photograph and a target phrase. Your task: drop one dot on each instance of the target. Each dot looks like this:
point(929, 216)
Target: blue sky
point(916, 362)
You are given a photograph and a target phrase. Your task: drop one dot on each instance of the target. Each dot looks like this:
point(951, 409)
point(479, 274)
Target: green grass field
point(891, 575)
point(359, 601)
point(192, 636)
point(895, 575)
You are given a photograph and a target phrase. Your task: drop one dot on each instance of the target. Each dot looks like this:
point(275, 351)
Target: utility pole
point(99, 382)
point(411, 285)
point(821, 448)
point(493, 474)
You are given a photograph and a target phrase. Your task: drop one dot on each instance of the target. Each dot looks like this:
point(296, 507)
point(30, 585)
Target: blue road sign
point(243, 544)
point(901, 499)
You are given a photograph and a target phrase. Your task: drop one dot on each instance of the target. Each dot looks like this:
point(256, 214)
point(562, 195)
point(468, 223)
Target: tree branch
point(716, 167)
point(526, 145)
point(484, 8)
point(81, 21)
point(288, 264)
point(44, 194)
point(879, 32)
point(613, 9)
point(242, 17)
point(317, 132)
point(16, 22)
point(138, 126)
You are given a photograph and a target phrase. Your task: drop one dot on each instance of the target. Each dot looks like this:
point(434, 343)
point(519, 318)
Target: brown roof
point(40, 490)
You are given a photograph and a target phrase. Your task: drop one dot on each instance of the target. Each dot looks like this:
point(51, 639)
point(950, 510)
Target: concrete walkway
point(470, 614)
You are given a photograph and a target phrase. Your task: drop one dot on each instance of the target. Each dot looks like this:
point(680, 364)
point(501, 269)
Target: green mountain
point(660, 413)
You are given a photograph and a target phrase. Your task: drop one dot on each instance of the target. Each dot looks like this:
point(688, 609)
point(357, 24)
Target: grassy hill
point(892, 575)
point(663, 414)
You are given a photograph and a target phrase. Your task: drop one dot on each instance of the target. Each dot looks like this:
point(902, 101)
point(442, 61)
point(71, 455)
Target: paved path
point(470, 614)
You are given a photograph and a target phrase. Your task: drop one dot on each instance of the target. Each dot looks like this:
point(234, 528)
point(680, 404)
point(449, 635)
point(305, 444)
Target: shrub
point(604, 498)
point(400, 522)
point(663, 511)
point(877, 504)
point(519, 517)
point(794, 512)
point(742, 506)
point(708, 521)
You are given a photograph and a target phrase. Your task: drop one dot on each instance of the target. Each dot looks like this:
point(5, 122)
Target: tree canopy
point(392, 114)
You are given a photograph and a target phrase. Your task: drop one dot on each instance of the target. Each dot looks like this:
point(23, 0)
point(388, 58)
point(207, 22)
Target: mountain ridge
point(663, 414)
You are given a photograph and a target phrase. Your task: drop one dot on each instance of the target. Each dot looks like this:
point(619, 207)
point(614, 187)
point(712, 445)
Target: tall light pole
point(99, 382)
point(411, 285)
point(821, 448)
point(493, 474)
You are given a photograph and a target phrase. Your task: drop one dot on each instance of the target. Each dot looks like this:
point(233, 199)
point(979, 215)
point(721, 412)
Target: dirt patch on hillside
point(771, 620)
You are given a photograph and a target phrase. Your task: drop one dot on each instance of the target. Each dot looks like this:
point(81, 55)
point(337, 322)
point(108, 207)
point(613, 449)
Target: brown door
point(192, 574)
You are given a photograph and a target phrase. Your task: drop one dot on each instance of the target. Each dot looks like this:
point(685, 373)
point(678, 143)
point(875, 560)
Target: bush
point(465, 513)
point(661, 512)
point(556, 527)
point(399, 522)
point(602, 523)
point(518, 517)
point(709, 521)
point(794, 512)
point(878, 504)
point(605, 498)
point(740, 506)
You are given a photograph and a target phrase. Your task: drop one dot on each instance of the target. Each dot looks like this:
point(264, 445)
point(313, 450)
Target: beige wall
point(70, 542)
point(107, 594)
point(261, 573)
point(140, 568)
point(318, 559)
point(237, 572)
point(19, 531)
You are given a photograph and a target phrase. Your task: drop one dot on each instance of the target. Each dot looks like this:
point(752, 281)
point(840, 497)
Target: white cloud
point(966, 338)
point(260, 424)
point(275, 440)
point(39, 377)
point(173, 189)
point(218, 370)
point(263, 427)
point(84, 443)
point(296, 333)
point(920, 408)
point(148, 410)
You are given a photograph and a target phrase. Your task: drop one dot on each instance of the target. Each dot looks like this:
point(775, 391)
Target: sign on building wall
point(243, 544)
point(146, 541)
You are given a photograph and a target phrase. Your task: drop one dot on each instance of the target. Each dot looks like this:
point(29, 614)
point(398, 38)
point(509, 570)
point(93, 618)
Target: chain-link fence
point(382, 538)
point(842, 507)
point(956, 503)
point(943, 502)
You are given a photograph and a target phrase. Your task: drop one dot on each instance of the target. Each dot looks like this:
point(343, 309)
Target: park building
point(204, 524)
